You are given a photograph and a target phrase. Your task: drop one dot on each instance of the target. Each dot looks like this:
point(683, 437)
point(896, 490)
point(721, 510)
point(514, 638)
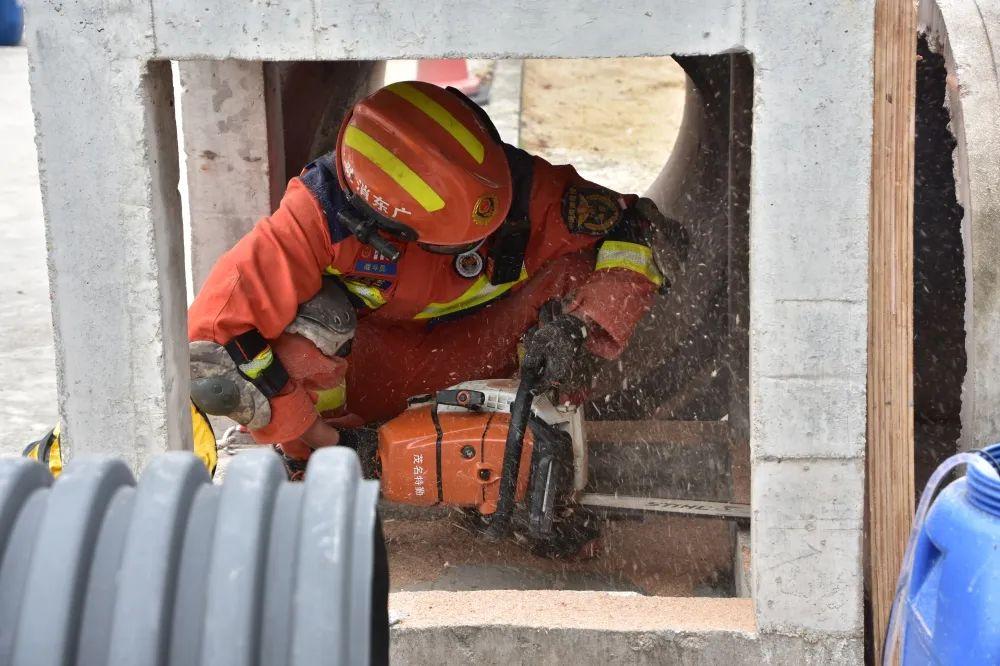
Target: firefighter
point(413, 257)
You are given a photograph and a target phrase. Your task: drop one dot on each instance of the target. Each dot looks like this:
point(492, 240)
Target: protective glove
point(554, 345)
point(667, 238)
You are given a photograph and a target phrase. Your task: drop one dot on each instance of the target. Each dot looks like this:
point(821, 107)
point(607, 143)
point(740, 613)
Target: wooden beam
point(890, 306)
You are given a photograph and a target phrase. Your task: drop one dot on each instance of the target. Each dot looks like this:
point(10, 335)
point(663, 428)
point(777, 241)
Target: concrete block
point(108, 167)
point(808, 418)
point(811, 156)
point(226, 145)
point(807, 536)
point(330, 30)
point(830, 649)
point(807, 340)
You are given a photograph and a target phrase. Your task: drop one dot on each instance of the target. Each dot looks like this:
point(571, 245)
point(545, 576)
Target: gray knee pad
point(328, 319)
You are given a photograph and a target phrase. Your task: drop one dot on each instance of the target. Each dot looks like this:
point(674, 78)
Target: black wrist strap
point(257, 362)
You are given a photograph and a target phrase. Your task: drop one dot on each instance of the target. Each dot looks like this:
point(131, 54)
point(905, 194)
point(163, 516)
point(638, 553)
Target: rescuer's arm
point(618, 293)
point(251, 295)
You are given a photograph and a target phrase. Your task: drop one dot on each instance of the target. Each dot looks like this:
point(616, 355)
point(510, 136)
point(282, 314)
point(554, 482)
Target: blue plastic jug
point(951, 612)
point(11, 22)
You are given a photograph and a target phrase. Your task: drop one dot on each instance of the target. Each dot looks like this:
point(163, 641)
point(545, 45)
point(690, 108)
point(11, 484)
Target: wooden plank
point(890, 306)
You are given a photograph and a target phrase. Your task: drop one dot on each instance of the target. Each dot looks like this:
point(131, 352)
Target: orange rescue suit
point(422, 326)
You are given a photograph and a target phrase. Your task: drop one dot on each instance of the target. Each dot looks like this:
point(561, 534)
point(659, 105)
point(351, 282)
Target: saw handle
point(520, 412)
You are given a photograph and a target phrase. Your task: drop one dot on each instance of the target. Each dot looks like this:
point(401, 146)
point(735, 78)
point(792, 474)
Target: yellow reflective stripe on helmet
point(328, 400)
point(442, 117)
point(630, 256)
point(258, 363)
point(394, 167)
point(480, 292)
point(369, 295)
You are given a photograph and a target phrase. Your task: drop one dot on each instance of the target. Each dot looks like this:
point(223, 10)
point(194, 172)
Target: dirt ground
point(655, 556)
point(615, 119)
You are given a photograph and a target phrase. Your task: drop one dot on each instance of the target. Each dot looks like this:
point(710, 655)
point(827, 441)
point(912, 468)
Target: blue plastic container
point(11, 22)
point(952, 611)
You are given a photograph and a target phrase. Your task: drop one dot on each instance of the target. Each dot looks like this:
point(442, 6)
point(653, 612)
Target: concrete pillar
point(505, 99)
point(226, 146)
point(108, 165)
point(812, 129)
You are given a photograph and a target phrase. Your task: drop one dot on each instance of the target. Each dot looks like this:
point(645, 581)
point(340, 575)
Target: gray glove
point(667, 238)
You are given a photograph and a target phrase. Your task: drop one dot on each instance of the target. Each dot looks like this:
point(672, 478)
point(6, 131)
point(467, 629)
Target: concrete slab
point(505, 627)
point(807, 543)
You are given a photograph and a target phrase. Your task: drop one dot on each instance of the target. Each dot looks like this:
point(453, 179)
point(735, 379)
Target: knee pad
point(328, 320)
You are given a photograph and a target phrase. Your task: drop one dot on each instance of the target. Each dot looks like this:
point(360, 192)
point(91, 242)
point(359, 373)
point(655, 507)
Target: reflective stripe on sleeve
point(371, 296)
point(331, 399)
point(258, 364)
point(630, 256)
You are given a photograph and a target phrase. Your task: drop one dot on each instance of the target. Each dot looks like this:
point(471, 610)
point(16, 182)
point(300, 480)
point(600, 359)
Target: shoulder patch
point(591, 210)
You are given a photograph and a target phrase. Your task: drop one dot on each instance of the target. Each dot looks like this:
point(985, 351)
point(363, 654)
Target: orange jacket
point(260, 283)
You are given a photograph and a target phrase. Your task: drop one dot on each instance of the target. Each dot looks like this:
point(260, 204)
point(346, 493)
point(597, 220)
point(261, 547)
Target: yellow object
point(630, 256)
point(442, 117)
point(258, 363)
point(331, 399)
point(46, 450)
point(394, 167)
point(371, 296)
point(203, 439)
point(481, 291)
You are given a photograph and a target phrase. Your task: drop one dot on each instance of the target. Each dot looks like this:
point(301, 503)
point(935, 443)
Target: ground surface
point(615, 119)
point(653, 556)
point(28, 389)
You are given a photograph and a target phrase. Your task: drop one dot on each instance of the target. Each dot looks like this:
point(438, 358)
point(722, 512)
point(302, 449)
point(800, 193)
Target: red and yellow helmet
point(420, 161)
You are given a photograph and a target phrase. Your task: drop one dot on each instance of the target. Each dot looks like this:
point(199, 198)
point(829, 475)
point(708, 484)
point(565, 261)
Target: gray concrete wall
point(108, 170)
point(968, 34)
point(118, 284)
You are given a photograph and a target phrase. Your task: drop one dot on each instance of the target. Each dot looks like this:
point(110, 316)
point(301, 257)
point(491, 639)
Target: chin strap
point(510, 243)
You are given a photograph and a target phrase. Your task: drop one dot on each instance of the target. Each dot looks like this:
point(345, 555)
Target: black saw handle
point(520, 412)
